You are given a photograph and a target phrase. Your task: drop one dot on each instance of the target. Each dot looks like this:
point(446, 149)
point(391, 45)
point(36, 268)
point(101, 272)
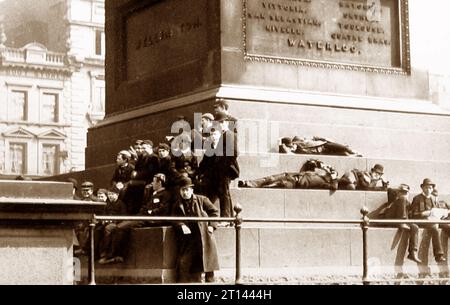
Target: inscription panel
point(369, 35)
point(165, 35)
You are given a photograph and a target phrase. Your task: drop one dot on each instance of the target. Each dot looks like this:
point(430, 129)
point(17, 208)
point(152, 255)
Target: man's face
point(375, 175)
point(138, 149)
point(219, 109)
point(148, 149)
point(156, 184)
point(186, 192)
point(163, 153)
point(113, 196)
point(215, 135)
point(102, 197)
point(224, 125)
point(294, 147)
point(206, 123)
point(427, 189)
point(87, 192)
point(120, 160)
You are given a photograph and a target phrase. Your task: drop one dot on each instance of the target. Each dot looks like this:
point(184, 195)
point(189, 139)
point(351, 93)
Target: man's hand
point(210, 229)
point(426, 213)
point(186, 230)
point(119, 185)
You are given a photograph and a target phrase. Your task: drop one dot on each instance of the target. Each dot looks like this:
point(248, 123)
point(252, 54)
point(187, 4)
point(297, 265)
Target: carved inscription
point(165, 35)
point(359, 32)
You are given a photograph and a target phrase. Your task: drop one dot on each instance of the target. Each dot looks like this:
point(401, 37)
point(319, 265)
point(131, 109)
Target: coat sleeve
point(211, 210)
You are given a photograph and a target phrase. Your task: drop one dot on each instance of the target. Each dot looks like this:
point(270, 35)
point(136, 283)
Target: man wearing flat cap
point(363, 180)
point(197, 250)
point(397, 208)
point(421, 207)
point(221, 106)
point(87, 191)
point(286, 146)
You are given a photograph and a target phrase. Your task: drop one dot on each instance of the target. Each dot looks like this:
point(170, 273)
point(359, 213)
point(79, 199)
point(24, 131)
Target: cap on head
point(87, 184)
point(102, 191)
point(161, 177)
point(125, 154)
point(148, 142)
point(426, 182)
point(404, 187)
point(185, 182)
point(164, 146)
point(138, 142)
point(208, 116)
point(378, 168)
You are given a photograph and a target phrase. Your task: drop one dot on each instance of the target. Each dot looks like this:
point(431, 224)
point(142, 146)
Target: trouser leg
point(436, 239)
point(226, 205)
point(413, 238)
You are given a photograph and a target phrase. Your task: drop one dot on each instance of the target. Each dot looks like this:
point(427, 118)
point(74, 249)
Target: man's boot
point(413, 256)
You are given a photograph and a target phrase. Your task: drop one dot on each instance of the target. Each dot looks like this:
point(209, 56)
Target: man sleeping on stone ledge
point(315, 145)
point(314, 174)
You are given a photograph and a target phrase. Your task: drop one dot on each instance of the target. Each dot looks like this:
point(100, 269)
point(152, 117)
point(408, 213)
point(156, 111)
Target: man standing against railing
point(197, 250)
point(421, 207)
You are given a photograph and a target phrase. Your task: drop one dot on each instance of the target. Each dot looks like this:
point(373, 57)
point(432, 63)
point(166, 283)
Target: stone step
point(308, 204)
point(396, 171)
point(376, 134)
point(278, 252)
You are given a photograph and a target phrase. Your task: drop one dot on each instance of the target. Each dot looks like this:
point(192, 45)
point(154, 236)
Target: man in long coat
point(197, 250)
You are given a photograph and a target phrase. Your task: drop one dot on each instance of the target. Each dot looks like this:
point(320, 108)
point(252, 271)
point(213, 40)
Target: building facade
point(52, 84)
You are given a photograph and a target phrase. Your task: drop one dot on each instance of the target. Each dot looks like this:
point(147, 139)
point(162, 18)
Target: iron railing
point(365, 223)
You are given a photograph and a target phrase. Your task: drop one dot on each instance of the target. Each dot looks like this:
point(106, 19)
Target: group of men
point(423, 206)
point(169, 180)
point(315, 174)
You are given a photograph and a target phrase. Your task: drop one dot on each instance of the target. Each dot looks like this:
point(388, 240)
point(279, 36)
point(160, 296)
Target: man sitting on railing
point(421, 208)
point(397, 208)
point(197, 251)
point(314, 174)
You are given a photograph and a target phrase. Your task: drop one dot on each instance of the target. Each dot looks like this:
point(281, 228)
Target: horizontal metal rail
point(238, 220)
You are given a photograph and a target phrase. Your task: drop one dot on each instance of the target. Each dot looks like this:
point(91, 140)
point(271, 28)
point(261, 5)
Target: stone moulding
point(405, 58)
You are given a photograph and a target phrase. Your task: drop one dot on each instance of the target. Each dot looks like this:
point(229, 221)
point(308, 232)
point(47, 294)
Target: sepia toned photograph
point(204, 144)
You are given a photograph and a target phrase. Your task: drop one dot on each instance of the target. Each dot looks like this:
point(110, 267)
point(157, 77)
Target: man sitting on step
point(314, 174)
point(363, 180)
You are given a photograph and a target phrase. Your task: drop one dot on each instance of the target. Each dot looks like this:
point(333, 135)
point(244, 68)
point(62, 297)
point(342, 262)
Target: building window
point(100, 43)
point(50, 164)
point(49, 108)
point(17, 158)
point(18, 106)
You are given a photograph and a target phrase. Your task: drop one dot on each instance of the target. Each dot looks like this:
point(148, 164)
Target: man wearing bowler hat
point(363, 180)
point(197, 250)
point(421, 207)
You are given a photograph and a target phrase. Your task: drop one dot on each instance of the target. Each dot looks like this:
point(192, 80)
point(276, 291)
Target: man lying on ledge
point(364, 180)
point(315, 145)
point(313, 175)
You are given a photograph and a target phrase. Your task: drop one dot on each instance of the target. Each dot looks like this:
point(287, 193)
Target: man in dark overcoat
point(197, 250)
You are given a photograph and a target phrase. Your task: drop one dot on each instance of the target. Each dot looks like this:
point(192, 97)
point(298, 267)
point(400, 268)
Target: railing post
point(91, 265)
point(365, 228)
point(237, 226)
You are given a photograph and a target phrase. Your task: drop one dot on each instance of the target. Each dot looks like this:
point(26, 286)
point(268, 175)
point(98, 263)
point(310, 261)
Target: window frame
point(57, 92)
point(17, 88)
point(25, 165)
